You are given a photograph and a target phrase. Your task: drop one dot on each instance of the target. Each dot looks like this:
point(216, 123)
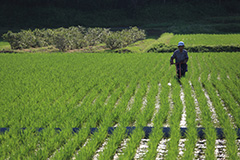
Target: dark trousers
point(183, 69)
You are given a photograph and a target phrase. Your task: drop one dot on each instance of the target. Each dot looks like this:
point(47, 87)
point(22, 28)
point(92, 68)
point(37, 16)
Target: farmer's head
point(181, 45)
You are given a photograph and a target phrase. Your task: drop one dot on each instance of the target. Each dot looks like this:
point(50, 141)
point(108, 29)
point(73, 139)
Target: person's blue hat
point(181, 43)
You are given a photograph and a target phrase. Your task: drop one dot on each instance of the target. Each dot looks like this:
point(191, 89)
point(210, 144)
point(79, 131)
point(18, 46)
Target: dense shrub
point(96, 36)
point(125, 37)
point(13, 39)
point(73, 38)
point(115, 40)
point(26, 39)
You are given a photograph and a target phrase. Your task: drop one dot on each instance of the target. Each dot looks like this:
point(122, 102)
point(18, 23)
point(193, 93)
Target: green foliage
point(125, 37)
point(73, 38)
point(26, 39)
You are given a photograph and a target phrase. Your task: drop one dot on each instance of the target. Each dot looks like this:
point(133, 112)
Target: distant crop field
point(168, 42)
point(101, 90)
point(4, 45)
point(207, 39)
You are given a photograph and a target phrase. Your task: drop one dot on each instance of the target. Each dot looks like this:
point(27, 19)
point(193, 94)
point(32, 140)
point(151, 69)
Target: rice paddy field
point(206, 39)
point(102, 90)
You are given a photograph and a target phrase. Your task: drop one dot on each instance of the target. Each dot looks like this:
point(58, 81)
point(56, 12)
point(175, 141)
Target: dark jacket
point(180, 56)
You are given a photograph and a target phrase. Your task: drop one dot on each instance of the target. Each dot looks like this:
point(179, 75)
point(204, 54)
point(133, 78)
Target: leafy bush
point(96, 36)
point(26, 39)
point(61, 42)
point(115, 40)
point(73, 38)
point(13, 39)
point(125, 37)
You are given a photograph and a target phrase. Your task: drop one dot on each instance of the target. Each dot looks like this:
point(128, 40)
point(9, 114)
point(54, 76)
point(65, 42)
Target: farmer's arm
point(172, 58)
point(186, 58)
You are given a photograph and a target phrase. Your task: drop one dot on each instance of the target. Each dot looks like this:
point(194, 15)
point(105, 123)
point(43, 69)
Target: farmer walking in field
point(181, 58)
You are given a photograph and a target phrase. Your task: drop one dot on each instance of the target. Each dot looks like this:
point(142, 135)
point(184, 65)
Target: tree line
point(102, 4)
